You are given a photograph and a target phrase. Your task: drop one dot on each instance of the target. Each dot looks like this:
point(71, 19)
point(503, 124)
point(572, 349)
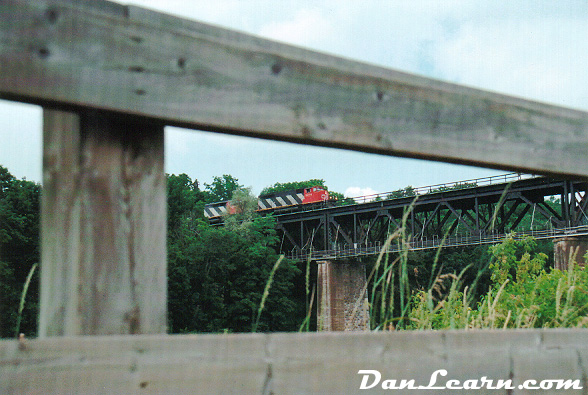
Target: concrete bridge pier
point(342, 296)
point(567, 248)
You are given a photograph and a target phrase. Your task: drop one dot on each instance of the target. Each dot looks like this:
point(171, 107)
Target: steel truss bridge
point(460, 214)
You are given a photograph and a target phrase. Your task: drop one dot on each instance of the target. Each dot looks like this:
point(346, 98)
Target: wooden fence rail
point(101, 55)
point(321, 363)
point(111, 76)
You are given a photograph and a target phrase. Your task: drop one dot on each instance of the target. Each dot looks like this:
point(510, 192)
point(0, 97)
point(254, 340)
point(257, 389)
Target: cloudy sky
point(534, 49)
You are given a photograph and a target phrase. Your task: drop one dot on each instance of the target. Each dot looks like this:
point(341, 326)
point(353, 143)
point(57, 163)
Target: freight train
point(312, 197)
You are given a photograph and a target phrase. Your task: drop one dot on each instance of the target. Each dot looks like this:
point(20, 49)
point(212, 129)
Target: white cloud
point(539, 58)
point(307, 27)
point(359, 191)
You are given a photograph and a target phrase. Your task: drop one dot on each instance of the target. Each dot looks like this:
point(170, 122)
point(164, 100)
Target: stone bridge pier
point(342, 296)
point(568, 248)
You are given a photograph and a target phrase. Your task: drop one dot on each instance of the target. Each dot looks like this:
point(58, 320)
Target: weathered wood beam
point(103, 55)
point(325, 363)
point(103, 226)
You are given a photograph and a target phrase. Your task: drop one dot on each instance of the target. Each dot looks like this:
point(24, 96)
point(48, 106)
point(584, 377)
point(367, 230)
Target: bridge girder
point(474, 212)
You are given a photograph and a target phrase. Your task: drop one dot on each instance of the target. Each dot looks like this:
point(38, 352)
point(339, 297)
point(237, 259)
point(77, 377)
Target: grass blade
point(23, 296)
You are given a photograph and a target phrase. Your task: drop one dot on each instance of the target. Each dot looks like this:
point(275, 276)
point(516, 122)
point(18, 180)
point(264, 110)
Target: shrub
point(523, 294)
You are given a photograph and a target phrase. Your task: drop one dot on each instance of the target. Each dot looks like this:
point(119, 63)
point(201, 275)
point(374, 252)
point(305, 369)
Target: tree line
point(217, 274)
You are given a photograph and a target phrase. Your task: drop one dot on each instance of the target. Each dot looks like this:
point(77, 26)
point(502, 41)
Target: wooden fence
point(110, 77)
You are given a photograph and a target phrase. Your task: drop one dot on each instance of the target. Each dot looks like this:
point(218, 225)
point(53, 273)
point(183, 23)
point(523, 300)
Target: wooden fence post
point(103, 225)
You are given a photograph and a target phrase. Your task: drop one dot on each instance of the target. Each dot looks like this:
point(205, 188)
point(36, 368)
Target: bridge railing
point(466, 239)
point(471, 183)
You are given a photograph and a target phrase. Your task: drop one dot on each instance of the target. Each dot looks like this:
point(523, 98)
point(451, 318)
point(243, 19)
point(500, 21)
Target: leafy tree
point(184, 199)
point(19, 250)
point(217, 275)
point(244, 204)
point(513, 261)
point(9, 300)
point(221, 188)
point(240, 218)
point(408, 191)
point(289, 186)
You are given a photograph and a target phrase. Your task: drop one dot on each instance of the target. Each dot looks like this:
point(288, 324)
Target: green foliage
point(217, 275)
point(390, 287)
point(245, 222)
point(185, 201)
point(513, 261)
point(522, 295)
point(456, 186)
point(268, 285)
point(221, 188)
point(245, 205)
point(532, 296)
point(428, 312)
point(406, 287)
point(289, 186)
point(8, 300)
point(341, 200)
point(217, 279)
point(19, 251)
point(400, 193)
point(227, 278)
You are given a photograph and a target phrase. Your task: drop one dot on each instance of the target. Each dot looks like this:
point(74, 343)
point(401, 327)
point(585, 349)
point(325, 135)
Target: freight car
point(315, 196)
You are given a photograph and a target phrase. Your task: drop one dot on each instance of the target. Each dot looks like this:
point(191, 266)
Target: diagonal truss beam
point(544, 209)
point(458, 216)
point(522, 214)
point(341, 231)
point(281, 227)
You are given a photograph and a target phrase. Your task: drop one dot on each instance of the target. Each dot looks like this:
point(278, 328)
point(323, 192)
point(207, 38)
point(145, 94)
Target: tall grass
point(383, 279)
point(550, 300)
point(268, 285)
point(305, 326)
point(448, 303)
point(557, 300)
point(23, 296)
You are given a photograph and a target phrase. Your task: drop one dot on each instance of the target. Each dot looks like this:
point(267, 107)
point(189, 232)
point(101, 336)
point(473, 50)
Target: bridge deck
point(475, 215)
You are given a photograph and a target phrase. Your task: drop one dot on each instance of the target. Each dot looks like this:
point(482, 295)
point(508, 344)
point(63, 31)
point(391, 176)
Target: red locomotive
point(278, 201)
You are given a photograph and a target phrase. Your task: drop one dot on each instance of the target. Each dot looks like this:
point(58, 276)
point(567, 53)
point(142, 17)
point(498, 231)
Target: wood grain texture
point(103, 226)
point(106, 56)
point(325, 363)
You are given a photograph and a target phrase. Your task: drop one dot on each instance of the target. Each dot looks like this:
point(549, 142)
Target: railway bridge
point(110, 77)
point(480, 211)
point(470, 212)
